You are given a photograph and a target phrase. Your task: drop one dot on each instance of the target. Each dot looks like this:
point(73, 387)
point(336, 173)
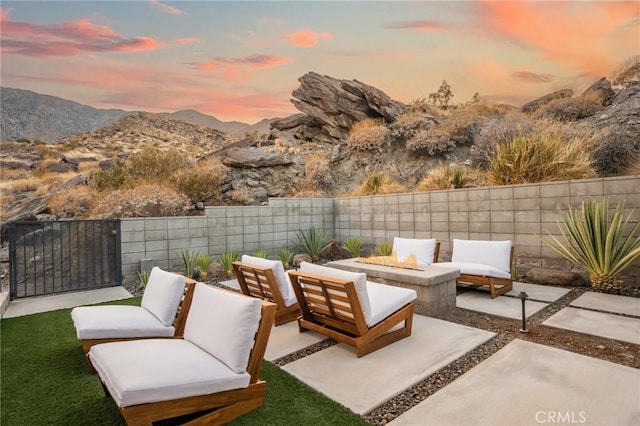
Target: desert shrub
point(378, 184)
point(368, 134)
point(615, 152)
point(570, 109)
point(155, 164)
point(410, 123)
point(148, 200)
point(241, 196)
point(202, 182)
point(317, 174)
point(452, 177)
point(112, 178)
point(19, 185)
point(430, 142)
point(309, 193)
point(627, 72)
point(542, 157)
point(459, 128)
point(76, 201)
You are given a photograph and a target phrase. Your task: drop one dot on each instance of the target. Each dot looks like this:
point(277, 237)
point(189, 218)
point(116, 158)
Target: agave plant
point(143, 277)
point(285, 256)
point(603, 247)
point(225, 261)
point(353, 245)
point(312, 241)
point(189, 261)
point(204, 264)
point(260, 253)
point(384, 248)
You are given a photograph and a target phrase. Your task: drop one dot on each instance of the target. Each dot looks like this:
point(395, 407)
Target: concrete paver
point(231, 284)
point(597, 324)
point(544, 293)
point(609, 303)
point(527, 383)
point(362, 384)
point(286, 339)
point(34, 305)
point(501, 306)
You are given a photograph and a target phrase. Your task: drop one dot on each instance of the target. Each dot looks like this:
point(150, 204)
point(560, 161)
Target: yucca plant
point(143, 277)
point(225, 261)
point(312, 241)
point(602, 246)
point(285, 256)
point(353, 245)
point(189, 261)
point(260, 253)
point(384, 248)
point(204, 264)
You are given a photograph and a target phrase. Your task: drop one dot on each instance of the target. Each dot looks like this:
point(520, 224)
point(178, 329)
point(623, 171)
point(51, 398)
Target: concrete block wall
point(518, 212)
point(221, 230)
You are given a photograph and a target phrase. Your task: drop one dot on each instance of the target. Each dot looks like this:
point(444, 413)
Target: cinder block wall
point(222, 229)
point(518, 212)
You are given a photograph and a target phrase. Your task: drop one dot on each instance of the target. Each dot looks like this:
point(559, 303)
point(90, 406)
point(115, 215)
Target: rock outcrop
point(254, 158)
point(332, 106)
point(601, 88)
point(537, 103)
point(555, 277)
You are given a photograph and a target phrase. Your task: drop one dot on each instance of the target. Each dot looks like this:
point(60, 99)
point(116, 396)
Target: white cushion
point(386, 299)
point(284, 285)
point(492, 253)
point(152, 370)
point(476, 269)
point(224, 324)
point(113, 322)
point(162, 295)
point(358, 278)
point(424, 250)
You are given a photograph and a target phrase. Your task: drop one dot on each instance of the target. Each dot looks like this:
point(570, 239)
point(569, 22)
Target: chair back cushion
point(358, 278)
point(163, 294)
point(492, 253)
point(223, 324)
point(424, 250)
point(284, 285)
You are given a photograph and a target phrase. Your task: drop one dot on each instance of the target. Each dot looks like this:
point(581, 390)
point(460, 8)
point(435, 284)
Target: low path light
point(523, 296)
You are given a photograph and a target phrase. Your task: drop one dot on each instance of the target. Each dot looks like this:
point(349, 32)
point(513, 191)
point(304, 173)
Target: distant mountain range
point(33, 116)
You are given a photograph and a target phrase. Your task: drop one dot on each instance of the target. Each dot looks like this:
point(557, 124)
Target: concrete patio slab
point(609, 303)
point(597, 324)
point(501, 306)
point(34, 305)
point(231, 284)
point(543, 293)
point(362, 384)
point(285, 339)
point(530, 384)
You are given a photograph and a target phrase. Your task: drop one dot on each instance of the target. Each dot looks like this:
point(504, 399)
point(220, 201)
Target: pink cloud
point(67, 39)
point(239, 68)
point(186, 40)
point(306, 38)
point(571, 33)
point(164, 8)
point(532, 77)
point(423, 26)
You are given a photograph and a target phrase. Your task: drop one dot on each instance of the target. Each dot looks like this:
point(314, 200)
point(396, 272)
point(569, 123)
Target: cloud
point(186, 40)
point(306, 38)
point(238, 68)
point(532, 77)
point(575, 34)
point(423, 26)
point(66, 39)
point(164, 8)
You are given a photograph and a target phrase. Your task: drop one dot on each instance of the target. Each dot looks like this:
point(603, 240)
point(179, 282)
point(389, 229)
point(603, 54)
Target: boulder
point(601, 88)
point(555, 277)
point(537, 103)
point(299, 258)
point(255, 158)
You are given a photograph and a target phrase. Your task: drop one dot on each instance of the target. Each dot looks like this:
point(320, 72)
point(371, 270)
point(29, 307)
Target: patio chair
point(164, 297)
point(266, 279)
point(345, 306)
point(483, 263)
point(212, 371)
point(425, 250)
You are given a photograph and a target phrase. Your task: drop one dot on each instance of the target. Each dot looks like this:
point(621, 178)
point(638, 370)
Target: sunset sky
point(241, 60)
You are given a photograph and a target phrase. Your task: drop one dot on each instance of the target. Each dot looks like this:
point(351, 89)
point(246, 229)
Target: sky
point(241, 60)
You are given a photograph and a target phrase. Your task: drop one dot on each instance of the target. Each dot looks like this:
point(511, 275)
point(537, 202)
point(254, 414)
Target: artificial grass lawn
point(46, 381)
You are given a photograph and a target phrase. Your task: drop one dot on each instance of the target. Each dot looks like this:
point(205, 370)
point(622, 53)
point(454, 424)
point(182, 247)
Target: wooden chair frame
point(330, 306)
point(226, 405)
point(259, 282)
point(178, 324)
point(497, 286)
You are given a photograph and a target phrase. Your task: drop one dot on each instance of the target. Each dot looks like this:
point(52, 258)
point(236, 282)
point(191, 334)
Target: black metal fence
point(59, 256)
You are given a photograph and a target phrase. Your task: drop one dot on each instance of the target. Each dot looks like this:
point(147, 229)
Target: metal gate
point(58, 256)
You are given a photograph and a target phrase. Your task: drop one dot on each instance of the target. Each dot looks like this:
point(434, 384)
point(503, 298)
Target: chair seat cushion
point(476, 269)
point(386, 299)
point(112, 322)
point(153, 370)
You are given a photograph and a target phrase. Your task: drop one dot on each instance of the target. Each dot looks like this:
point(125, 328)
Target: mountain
point(235, 128)
point(30, 115)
